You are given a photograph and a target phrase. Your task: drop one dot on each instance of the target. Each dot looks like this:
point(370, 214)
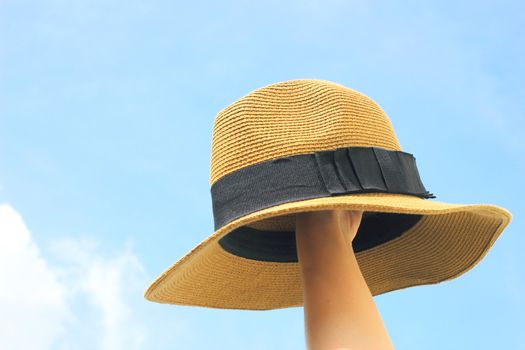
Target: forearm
point(339, 309)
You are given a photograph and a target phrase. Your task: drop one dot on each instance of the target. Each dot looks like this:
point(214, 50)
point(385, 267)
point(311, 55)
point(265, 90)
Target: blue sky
point(106, 116)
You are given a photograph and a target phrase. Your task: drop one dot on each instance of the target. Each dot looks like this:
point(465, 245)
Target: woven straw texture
point(303, 116)
point(295, 117)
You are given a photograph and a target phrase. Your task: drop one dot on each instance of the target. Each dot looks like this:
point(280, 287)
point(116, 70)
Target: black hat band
point(341, 171)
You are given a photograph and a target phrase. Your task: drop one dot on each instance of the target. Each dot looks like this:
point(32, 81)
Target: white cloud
point(108, 284)
point(83, 301)
point(32, 300)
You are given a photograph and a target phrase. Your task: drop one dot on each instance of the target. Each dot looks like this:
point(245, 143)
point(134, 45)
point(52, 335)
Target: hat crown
point(295, 117)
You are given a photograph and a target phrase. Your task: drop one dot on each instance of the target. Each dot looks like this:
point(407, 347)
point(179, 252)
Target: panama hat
point(308, 145)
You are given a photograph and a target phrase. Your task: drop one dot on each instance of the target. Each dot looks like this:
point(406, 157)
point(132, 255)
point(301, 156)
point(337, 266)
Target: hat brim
point(449, 240)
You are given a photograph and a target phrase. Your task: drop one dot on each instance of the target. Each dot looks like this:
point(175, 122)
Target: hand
point(345, 221)
point(349, 222)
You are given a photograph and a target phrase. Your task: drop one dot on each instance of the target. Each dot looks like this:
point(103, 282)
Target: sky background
point(106, 117)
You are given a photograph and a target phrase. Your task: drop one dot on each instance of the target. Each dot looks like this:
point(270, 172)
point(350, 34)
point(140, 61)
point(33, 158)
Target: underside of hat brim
point(449, 240)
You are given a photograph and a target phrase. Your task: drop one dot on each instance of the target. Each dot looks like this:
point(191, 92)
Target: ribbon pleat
point(367, 169)
point(346, 171)
point(328, 170)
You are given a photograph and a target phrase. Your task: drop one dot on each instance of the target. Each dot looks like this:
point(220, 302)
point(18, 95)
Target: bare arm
point(339, 310)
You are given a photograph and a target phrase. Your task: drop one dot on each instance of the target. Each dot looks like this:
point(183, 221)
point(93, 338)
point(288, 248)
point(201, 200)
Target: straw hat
point(307, 145)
